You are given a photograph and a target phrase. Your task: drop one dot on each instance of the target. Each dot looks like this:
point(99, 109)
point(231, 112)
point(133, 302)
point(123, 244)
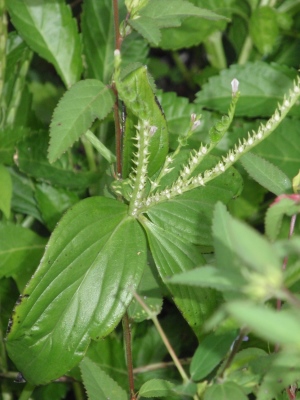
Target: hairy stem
point(127, 339)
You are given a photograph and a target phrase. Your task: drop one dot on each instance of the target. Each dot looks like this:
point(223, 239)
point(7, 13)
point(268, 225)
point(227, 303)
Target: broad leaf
point(20, 252)
point(51, 31)
point(210, 353)
point(266, 174)
point(225, 391)
point(157, 388)
point(172, 255)
point(5, 190)
point(264, 29)
point(262, 86)
point(75, 113)
point(81, 289)
point(98, 385)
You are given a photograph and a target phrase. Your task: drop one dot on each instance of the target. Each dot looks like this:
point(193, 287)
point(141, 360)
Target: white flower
point(234, 86)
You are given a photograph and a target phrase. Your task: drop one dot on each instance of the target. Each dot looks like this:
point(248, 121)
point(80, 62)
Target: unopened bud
point(234, 86)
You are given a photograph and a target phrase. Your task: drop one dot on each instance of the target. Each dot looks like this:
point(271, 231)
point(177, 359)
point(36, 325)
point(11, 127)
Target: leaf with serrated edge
point(98, 385)
point(93, 263)
point(51, 31)
point(266, 174)
point(75, 113)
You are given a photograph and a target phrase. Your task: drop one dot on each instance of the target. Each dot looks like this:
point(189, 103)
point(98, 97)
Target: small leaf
point(5, 190)
point(98, 385)
point(157, 388)
point(50, 31)
point(75, 113)
point(266, 174)
point(282, 328)
point(225, 391)
point(210, 353)
point(80, 290)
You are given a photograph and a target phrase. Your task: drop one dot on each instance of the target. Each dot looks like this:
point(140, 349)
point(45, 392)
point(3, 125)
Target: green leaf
point(157, 15)
point(264, 29)
point(23, 200)
point(189, 215)
point(20, 252)
point(5, 190)
point(98, 385)
point(32, 160)
point(75, 113)
point(172, 255)
point(210, 353)
point(136, 90)
point(53, 202)
point(191, 31)
point(262, 86)
point(157, 388)
point(282, 328)
point(275, 214)
point(81, 289)
point(266, 174)
point(209, 276)
point(225, 391)
point(50, 31)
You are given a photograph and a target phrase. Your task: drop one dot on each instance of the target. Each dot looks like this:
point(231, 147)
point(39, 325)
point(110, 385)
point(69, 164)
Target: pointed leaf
point(173, 255)
point(210, 353)
point(266, 174)
point(98, 385)
point(157, 388)
point(51, 31)
point(81, 289)
point(75, 113)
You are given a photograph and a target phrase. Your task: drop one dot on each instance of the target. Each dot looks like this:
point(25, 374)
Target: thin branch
point(127, 339)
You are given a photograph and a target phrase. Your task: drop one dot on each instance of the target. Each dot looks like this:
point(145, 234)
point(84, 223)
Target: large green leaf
point(225, 391)
point(262, 86)
point(93, 262)
point(50, 30)
point(172, 255)
point(75, 113)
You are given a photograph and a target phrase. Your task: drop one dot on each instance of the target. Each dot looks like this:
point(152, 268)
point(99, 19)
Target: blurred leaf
point(193, 31)
point(32, 160)
point(282, 328)
point(262, 86)
point(210, 353)
point(264, 29)
point(266, 174)
point(157, 388)
point(75, 113)
point(9, 137)
point(5, 190)
point(80, 290)
point(157, 15)
point(98, 385)
point(53, 391)
point(50, 30)
point(53, 202)
point(20, 252)
point(225, 391)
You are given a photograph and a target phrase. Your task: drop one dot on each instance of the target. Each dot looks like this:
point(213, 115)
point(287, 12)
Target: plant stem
point(27, 391)
point(160, 365)
point(99, 146)
point(164, 338)
point(215, 50)
point(78, 392)
point(246, 50)
point(183, 70)
point(127, 339)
